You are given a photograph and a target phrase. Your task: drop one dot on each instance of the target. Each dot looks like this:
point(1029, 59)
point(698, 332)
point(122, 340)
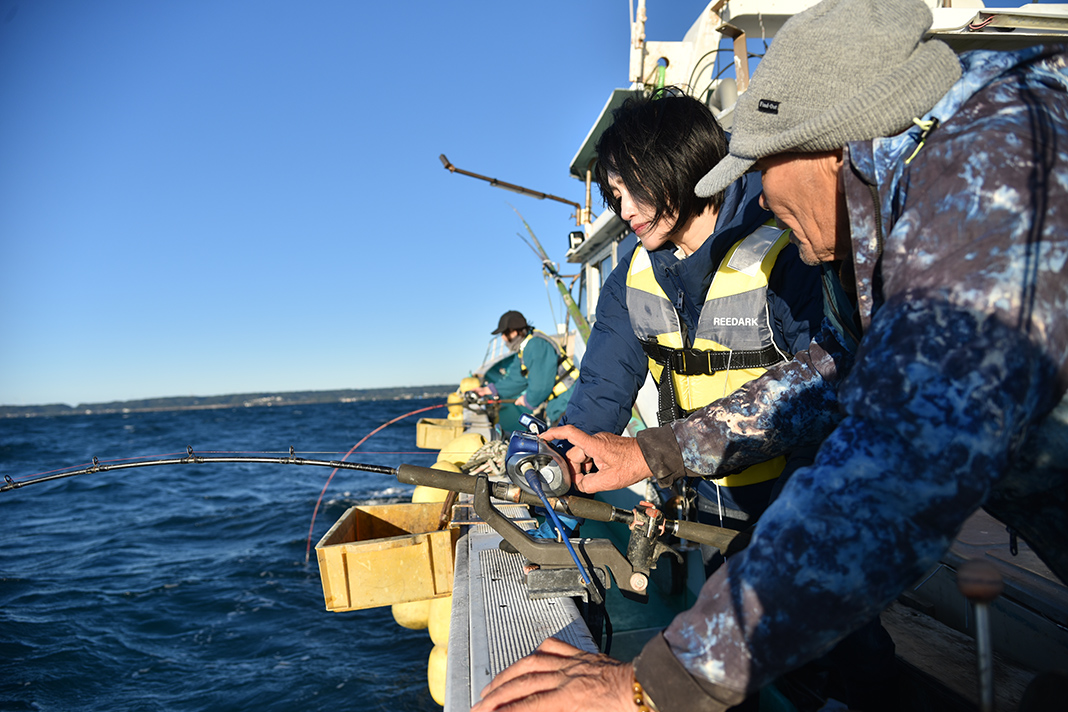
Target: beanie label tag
point(768, 106)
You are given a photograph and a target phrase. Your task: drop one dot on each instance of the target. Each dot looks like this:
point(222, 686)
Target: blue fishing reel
point(527, 451)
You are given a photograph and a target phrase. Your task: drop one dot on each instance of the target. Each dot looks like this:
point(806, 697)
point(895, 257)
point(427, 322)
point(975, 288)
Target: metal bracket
point(598, 553)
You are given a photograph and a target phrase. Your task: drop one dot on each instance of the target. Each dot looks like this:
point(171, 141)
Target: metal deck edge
point(458, 681)
point(504, 625)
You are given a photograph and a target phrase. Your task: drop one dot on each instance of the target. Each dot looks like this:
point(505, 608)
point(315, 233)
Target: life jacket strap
point(697, 362)
point(668, 409)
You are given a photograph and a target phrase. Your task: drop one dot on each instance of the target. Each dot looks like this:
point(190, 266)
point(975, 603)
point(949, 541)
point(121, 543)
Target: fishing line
point(227, 456)
point(315, 512)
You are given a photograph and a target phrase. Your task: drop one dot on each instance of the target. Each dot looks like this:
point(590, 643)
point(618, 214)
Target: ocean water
point(185, 587)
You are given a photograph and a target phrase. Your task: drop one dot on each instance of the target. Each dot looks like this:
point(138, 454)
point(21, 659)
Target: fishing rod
point(536, 471)
point(192, 458)
point(412, 475)
point(551, 270)
point(581, 214)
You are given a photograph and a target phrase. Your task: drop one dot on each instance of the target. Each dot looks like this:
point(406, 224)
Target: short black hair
point(660, 146)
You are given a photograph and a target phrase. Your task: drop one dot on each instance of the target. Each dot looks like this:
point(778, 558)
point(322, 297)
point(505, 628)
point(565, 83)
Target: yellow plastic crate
point(379, 555)
point(436, 433)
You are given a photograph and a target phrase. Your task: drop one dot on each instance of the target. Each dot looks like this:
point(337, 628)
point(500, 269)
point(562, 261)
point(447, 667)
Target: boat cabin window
point(596, 271)
point(604, 268)
point(583, 302)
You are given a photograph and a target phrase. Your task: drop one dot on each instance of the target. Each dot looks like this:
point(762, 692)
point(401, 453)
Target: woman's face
point(640, 217)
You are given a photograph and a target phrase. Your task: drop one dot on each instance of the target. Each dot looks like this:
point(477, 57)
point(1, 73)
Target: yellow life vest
point(566, 372)
point(732, 346)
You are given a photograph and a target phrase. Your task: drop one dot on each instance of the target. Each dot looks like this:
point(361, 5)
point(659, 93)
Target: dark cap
point(510, 320)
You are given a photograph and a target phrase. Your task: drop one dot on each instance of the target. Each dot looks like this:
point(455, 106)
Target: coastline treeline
point(236, 400)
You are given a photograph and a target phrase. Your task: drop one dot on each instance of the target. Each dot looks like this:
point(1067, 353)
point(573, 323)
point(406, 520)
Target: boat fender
point(455, 402)
point(435, 673)
point(424, 493)
point(460, 449)
point(414, 615)
point(440, 614)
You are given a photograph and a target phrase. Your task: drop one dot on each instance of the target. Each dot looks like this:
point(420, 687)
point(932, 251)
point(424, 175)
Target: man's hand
point(619, 460)
point(579, 462)
point(561, 678)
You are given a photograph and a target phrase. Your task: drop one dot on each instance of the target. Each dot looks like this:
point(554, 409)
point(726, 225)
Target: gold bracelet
point(641, 700)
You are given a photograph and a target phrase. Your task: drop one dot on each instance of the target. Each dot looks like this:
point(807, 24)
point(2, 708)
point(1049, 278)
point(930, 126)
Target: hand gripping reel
point(527, 451)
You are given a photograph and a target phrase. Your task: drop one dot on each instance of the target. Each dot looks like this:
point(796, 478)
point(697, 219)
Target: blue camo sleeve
point(923, 441)
point(792, 406)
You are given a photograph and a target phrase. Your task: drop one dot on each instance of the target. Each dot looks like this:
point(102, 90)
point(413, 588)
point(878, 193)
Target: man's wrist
point(674, 687)
point(662, 454)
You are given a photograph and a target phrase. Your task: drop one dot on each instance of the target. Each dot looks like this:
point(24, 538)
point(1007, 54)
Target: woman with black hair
point(711, 296)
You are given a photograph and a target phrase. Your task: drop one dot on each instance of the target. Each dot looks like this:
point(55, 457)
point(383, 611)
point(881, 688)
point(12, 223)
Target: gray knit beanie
point(841, 71)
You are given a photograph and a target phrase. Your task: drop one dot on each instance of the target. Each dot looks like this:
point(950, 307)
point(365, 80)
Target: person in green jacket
point(539, 378)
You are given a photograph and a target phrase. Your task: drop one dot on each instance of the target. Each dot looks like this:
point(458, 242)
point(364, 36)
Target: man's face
point(513, 337)
point(803, 191)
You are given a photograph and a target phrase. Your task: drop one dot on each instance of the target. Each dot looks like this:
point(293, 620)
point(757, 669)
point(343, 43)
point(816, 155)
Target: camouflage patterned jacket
point(962, 297)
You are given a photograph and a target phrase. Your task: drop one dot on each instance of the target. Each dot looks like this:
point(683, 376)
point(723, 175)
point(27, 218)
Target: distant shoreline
point(237, 400)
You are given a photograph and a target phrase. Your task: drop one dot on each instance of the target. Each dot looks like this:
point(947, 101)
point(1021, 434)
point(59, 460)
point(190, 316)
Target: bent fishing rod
point(412, 475)
point(192, 458)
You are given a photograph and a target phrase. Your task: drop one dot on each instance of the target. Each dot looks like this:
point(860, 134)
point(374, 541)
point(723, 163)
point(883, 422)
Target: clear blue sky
point(206, 197)
point(220, 197)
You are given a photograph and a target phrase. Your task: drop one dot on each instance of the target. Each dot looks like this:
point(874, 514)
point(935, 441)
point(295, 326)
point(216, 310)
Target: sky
point(210, 197)
point(200, 198)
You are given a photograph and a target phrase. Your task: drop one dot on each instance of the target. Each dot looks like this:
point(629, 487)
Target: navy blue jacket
point(614, 366)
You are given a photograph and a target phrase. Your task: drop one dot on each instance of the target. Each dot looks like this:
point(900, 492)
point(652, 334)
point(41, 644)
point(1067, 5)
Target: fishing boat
point(497, 606)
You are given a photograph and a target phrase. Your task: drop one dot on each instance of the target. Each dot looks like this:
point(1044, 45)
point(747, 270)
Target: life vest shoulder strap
point(566, 372)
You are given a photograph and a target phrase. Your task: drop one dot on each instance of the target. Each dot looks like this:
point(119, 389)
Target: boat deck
point(495, 624)
point(933, 626)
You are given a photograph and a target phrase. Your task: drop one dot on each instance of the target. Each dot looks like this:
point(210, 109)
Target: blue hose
point(535, 481)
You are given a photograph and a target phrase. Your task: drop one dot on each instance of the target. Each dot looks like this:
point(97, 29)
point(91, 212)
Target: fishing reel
point(527, 451)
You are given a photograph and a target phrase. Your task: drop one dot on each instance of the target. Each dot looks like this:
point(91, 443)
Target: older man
point(934, 191)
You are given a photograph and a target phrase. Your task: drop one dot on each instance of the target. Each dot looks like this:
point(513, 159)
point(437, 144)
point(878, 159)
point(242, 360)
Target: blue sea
point(185, 587)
